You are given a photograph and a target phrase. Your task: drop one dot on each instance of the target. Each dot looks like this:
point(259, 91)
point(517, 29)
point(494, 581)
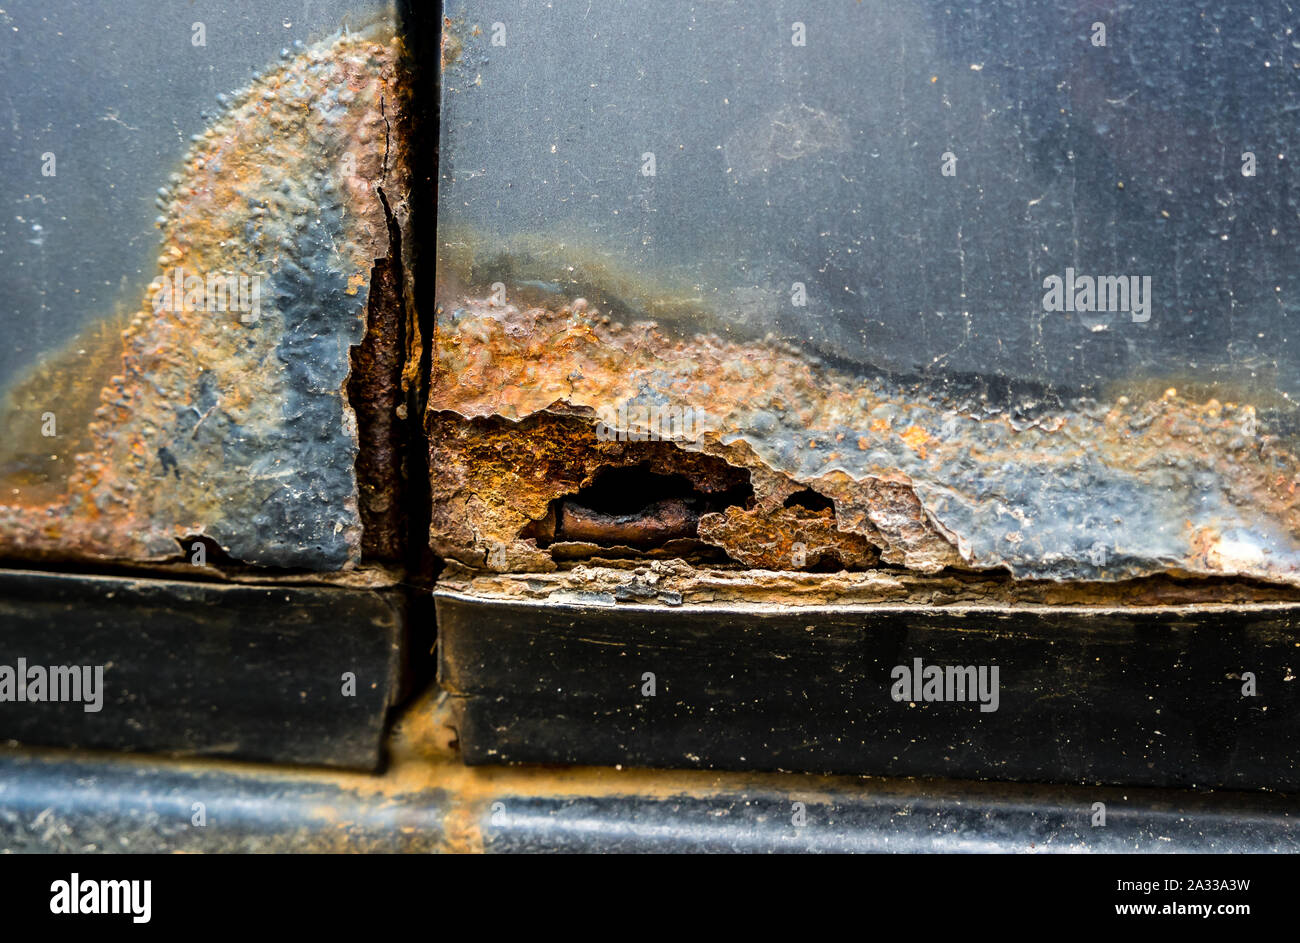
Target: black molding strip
point(1150, 697)
point(250, 672)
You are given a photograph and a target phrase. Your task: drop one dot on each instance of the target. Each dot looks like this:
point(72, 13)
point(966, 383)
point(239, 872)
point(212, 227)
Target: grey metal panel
point(822, 163)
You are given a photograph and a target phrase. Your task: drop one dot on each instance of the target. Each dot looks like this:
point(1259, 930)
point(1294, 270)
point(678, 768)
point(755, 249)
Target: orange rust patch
point(786, 539)
point(356, 282)
point(915, 437)
point(931, 496)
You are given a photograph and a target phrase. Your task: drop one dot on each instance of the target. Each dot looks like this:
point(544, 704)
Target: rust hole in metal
point(810, 499)
point(633, 507)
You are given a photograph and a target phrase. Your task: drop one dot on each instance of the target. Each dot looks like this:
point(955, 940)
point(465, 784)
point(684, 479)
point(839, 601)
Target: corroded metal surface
point(375, 393)
point(827, 236)
point(1093, 490)
point(677, 582)
point(493, 479)
point(788, 538)
point(235, 425)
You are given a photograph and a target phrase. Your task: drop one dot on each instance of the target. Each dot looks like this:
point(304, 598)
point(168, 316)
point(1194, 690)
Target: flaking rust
point(493, 479)
point(530, 403)
point(235, 425)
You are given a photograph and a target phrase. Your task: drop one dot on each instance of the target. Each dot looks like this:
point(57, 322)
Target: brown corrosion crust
point(891, 513)
point(500, 363)
point(787, 539)
point(375, 393)
point(611, 581)
point(493, 478)
point(1108, 491)
point(501, 360)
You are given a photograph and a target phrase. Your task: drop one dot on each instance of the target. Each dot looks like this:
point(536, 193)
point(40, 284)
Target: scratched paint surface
point(923, 388)
point(234, 424)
